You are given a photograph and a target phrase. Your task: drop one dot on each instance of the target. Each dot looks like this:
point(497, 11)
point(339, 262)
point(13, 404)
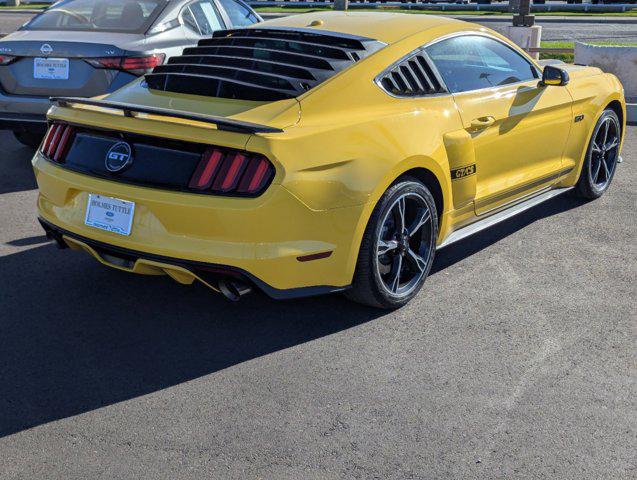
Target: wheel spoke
point(606, 169)
point(394, 274)
point(416, 260)
point(595, 173)
point(612, 144)
point(424, 215)
point(596, 148)
point(606, 128)
point(400, 211)
point(386, 246)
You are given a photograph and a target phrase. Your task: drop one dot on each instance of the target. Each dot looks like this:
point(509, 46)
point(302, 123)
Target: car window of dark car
point(240, 15)
point(472, 62)
point(134, 16)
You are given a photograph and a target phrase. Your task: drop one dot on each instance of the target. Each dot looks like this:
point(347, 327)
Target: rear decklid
point(174, 142)
point(248, 75)
point(204, 106)
point(43, 67)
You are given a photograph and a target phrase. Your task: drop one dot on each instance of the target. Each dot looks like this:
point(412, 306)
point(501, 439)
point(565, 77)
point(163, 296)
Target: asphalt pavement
point(616, 29)
point(516, 361)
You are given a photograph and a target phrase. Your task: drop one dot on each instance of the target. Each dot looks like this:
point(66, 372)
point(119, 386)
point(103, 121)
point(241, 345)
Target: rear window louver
point(412, 77)
point(262, 64)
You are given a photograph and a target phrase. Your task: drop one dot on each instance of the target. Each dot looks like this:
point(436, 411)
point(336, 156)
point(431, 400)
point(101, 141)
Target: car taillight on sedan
point(134, 65)
point(57, 141)
point(231, 172)
point(6, 59)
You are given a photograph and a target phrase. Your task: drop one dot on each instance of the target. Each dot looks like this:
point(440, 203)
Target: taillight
point(57, 141)
point(6, 59)
point(134, 65)
point(232, 172)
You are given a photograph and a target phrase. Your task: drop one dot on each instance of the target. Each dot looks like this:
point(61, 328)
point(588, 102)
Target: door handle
point(482, 122)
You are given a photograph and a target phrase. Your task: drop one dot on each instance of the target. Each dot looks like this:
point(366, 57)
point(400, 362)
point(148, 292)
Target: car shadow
point(15, 161)
point(75, 336)
point(469, 246)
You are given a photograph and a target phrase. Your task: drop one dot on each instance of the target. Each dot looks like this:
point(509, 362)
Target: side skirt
point(501, 216)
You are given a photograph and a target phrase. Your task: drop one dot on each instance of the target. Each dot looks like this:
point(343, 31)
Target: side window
point(471, 62)
point(240, 15)
point(202, 17)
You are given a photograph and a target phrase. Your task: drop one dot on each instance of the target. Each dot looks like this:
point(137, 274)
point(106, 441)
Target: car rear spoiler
point(130, 110)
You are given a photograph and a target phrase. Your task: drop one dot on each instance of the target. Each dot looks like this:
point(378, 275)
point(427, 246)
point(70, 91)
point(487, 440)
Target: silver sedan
point(85, 48)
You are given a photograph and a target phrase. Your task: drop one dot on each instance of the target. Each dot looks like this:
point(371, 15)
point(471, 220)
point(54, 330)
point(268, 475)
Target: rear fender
point(403, 168)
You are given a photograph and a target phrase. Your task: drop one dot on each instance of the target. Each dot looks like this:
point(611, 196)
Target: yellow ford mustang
point(323, 152)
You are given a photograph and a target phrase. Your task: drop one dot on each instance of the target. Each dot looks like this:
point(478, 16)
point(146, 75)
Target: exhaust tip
point(233, 290)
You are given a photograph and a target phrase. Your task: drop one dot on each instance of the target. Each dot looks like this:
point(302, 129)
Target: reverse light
point(221, 171)
point(134, 65)
point(57, 141)
point(6, 59)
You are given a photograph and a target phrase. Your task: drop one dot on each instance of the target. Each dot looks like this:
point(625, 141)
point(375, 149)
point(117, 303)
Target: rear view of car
point(87, 48)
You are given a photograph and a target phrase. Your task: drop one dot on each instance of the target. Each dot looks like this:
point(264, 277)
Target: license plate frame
point(51, 68)
point(109, 214)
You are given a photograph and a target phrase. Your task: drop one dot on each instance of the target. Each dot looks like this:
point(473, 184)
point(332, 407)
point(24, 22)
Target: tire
point(601, 158)
point(29, 139)
point(411, 253)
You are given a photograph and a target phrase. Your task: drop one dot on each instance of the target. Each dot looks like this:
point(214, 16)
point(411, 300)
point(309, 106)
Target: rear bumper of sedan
point(23, 113)
point(273, 241)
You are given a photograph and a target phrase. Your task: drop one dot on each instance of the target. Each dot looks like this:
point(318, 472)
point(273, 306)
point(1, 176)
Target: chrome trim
point(501, 216)
point(520, 189)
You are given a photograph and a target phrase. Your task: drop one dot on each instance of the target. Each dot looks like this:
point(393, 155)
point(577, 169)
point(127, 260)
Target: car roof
point(384, 26)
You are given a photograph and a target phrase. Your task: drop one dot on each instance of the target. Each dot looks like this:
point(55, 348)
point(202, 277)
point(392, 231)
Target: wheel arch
point(616, 106)
point(429, 179)
point(425, 169)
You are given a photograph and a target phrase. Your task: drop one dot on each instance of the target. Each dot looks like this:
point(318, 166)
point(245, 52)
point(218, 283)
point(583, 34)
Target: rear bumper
point(23, 122)
point(23, 112)
point(260, 238)
point(183, 271)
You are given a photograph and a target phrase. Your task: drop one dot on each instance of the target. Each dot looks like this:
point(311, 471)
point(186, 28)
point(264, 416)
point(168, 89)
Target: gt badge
point(118, 157)
point(462, 172)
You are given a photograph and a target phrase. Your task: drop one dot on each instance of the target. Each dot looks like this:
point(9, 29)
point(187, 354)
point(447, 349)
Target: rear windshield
point(129, 16)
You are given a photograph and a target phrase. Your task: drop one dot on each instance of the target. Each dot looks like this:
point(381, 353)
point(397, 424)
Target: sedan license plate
point(51, 68)
point(110, 214)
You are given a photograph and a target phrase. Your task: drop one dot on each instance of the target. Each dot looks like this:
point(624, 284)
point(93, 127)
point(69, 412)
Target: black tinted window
point(471, 62)
point(240, 15)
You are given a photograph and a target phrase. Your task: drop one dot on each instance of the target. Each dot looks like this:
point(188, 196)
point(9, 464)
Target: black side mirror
point(554, 76)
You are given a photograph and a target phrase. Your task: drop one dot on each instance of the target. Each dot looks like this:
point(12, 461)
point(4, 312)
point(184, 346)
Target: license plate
point(51, 68)
point(110, 214)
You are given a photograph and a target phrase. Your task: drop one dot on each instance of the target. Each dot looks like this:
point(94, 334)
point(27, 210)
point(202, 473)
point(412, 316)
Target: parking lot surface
point(516, 361)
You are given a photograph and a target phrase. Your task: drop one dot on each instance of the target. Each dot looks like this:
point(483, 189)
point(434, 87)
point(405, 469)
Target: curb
point(631, 111)
point(24, 10)
point(547, 19)
point(500, 18)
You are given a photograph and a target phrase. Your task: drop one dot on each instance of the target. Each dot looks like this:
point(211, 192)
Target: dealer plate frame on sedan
point(51, 68)
point(109, 214)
